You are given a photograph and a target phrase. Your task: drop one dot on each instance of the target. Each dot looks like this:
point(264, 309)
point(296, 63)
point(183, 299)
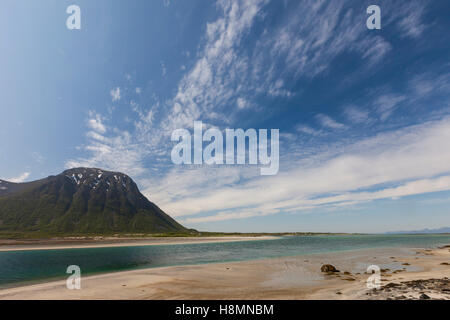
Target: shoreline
point(121, 242)
point(405, 274)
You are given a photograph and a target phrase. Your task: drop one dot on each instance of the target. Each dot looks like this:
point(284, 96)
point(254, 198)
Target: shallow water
point(20, 267)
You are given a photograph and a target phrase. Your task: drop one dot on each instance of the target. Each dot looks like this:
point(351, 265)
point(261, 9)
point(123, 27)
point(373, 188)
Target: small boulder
point(423, 296)
point(328, 268)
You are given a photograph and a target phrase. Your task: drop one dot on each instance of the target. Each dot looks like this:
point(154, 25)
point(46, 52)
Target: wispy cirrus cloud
point(374, 49)
point(117, 151)
point(387, 103)
point(226, 78)
point(411, 22)
point(356, 115)
point(211, 82)
point(308, 130)
point(328, 122)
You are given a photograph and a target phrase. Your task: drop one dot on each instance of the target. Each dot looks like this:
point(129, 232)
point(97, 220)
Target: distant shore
point(103, 242)
point(405, 274)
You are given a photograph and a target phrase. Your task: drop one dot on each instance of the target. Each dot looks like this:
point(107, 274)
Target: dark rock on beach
point(328, 268)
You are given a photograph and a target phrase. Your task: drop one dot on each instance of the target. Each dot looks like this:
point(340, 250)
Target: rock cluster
point(413, 290)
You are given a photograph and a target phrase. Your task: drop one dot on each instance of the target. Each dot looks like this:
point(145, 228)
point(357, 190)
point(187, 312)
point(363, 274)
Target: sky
point(363, 115)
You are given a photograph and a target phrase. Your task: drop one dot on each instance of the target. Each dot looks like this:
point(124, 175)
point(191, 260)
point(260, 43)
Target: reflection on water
point(22, 266)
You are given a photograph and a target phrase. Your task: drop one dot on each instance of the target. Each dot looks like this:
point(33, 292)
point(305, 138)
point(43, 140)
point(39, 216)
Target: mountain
point(81, 201)
point(423, 231)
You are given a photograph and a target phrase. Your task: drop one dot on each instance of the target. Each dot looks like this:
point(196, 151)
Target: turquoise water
point(19, 267)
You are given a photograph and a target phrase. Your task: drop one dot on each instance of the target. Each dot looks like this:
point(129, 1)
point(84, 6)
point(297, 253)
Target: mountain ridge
point(81, 201)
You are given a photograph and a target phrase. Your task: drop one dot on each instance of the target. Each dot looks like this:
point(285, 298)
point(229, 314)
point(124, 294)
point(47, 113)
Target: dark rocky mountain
point(81, 201)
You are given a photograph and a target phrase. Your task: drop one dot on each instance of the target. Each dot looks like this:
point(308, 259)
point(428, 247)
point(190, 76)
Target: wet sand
point(405, 274)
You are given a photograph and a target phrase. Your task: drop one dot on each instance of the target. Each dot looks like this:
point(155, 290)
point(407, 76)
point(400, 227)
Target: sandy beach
point(405, 274)
point(102, 242)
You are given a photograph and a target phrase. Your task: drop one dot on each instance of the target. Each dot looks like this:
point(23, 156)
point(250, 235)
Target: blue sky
point(364, 115)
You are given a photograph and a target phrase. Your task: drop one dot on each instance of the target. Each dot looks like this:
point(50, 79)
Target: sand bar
point(53, 244)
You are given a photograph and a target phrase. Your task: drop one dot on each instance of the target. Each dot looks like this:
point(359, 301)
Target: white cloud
point(223, 75)
point(115, 94)
point(328, 122)
point(116, 153)
point(163, 68)
point(416, 187)
point(119, 152)
point(20, 178)
point(211, 83)
point(276, 89)
point(226, 73)
point(95, 122)
point(356, 114)
point(410, 23)
point(386, 104)
point(423, 85)
point(374, 49)
point(183, 182)
point(308, 130)
point(313, 35)
point(222, 217)
point(242, 103)
point(404, 162)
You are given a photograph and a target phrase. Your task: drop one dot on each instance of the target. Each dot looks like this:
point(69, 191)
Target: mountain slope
point(81, 200)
